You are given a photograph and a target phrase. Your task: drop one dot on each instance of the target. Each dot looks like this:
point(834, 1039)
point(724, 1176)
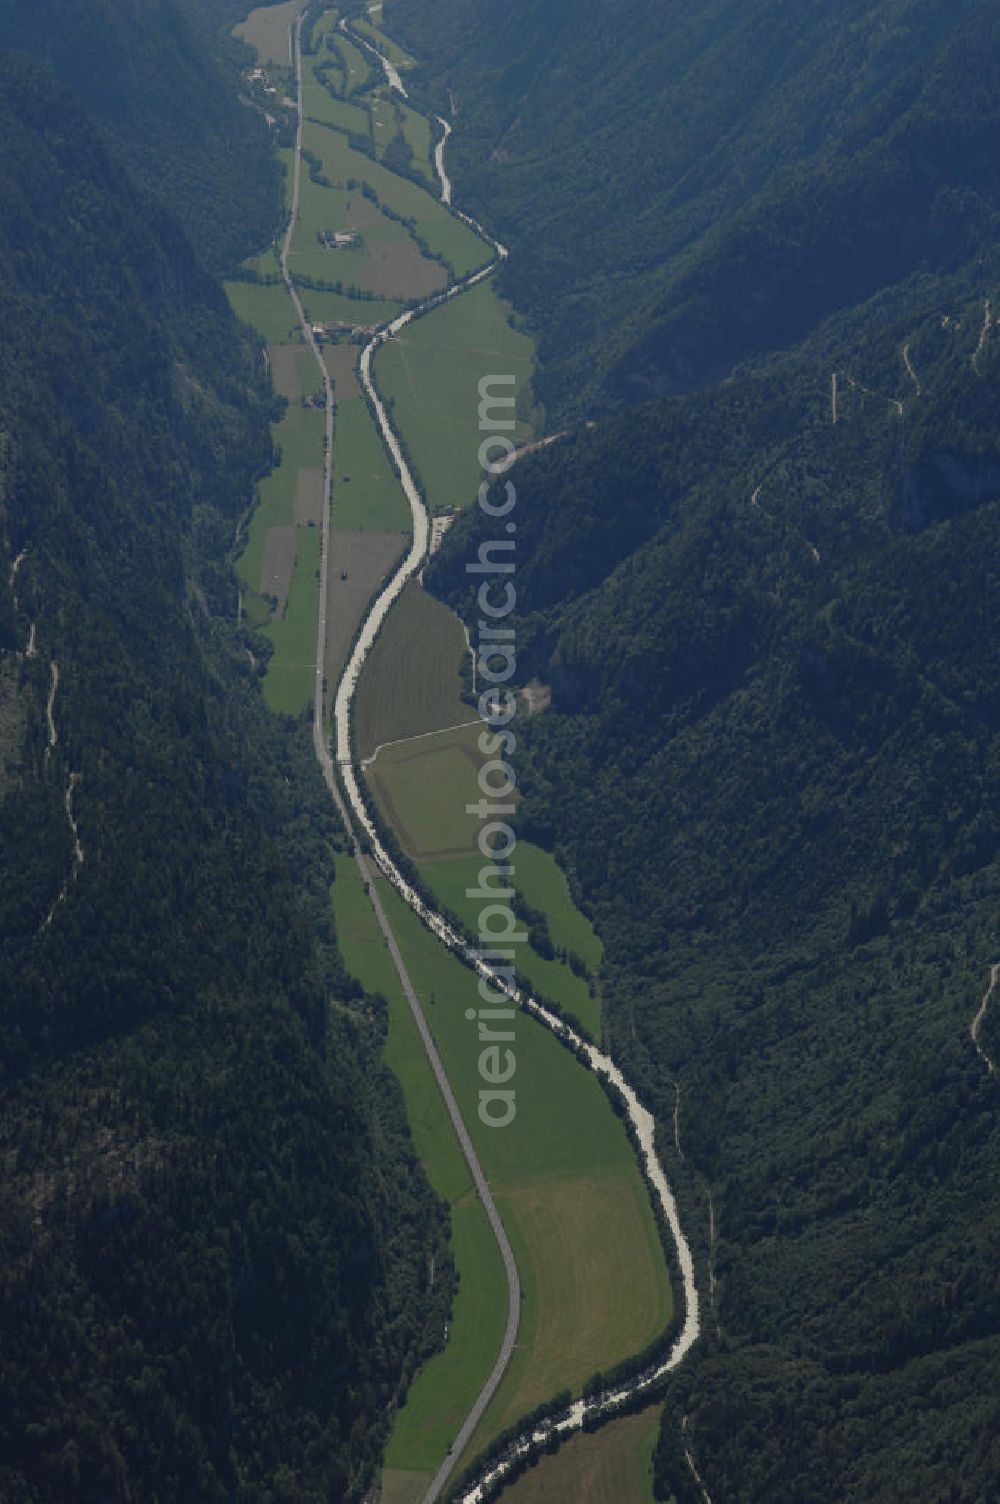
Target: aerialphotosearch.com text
point(496, 662)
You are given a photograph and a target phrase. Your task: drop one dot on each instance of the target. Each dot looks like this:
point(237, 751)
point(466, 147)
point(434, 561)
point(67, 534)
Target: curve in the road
point(354, 813)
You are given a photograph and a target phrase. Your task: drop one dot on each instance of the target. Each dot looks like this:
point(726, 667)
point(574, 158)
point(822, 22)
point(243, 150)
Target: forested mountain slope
point(772, 764)
point(767, 612)
point(214, 1234)
point(163, 79)
point(685, 185)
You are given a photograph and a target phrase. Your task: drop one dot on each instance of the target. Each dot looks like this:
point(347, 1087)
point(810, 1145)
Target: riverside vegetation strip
point(653, 1318)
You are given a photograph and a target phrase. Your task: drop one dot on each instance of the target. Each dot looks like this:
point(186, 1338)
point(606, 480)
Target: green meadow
point(411, 681)
point(423, 788)
point(290, 678)
point(444, 234)
point(299, 440)
point(339, 308)
point(556, 1170)
point(367, 494)
point(611, 1466)
point(539, 881)
point(417, 130)
point(567, 1185)
point(386, 45)
point(443, 1392)
point(431, 372)
point(267, 309)
point(355, 64)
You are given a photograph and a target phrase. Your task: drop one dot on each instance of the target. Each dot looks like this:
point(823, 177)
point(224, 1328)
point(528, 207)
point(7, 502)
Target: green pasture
point(267, 309)
point(337, 307)
point(444, 234)
point(357, 70)
point(443, 1392)
point(366, 490)
point(299, 439)
point(540, 883)
point(611, 1466)
point(386, 45)
point(564, 1174)
point(423, 787)
point(290, 678)
point(411, 681)
point(432, 373)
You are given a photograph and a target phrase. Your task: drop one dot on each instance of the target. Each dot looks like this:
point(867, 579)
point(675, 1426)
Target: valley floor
point(565, 1179)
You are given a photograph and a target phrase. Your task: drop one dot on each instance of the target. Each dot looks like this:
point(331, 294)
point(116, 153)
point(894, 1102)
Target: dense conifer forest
point(757, 244)
point(216, 1240)
point(766, 606)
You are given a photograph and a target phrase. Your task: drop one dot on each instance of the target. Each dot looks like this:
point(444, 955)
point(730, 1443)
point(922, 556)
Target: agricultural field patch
point(445, 1388)
point(432, 371)
point(293, 371)
point(320, 208)
point(339, 308)
point(276, 565)
point(266, 308)
point(362, 212)
point(341, 362)
point(356, 68)
point(611, 1466)
point(266, 31)
point(565, 1337)
point(383, 121)
point(417, 130)
point(290, 678)
point(538, 880)
point(320, 105)
point(554, 1171)
point(401, 270)
point(366, 489)
point(411, 682)
point(309, 498)
point(448, 237)
point(442, 1393)
point(323, 26)
point(365, 558)
point(398, 1487)
point(422, 788)
point(545, 886)
point(265, 265)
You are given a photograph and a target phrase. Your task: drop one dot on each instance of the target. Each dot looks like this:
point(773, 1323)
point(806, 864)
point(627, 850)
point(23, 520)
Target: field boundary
point(420, 736)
